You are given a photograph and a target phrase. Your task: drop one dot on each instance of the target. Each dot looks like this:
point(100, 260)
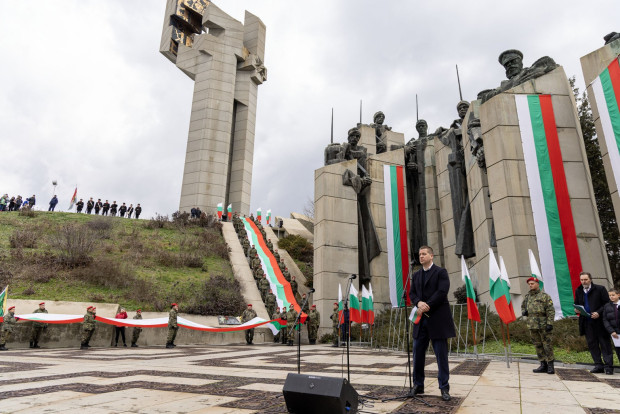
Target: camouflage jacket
point(258, 275)
point(270, 245)
point(9, 322)
point(256, 263)
point(253, 251)
point(539, 307)
point(286, 274)
point(294, 286)
point(276, 315)
point(172, 319)
point(334, 318)
point(89, 321)
point(314, 317)
point(283, 315)
point(263, 284)
point(39, 324)
point(291, 315)
point(270, 300)
point(138, 316)
point(248, 315)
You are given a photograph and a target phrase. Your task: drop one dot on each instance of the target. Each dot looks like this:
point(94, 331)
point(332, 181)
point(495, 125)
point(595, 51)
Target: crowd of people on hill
point(106, 208)
point(16, 203)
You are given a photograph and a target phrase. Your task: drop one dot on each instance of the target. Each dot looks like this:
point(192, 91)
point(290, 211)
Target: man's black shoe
point(418, 389)
point(542, 368)
point(609, 371)
point(597, 370)
point(445, 394)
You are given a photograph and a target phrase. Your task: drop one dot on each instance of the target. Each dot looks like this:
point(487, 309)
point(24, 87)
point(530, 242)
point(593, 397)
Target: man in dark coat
point(429, 292)
point(593, 298)
point(90, 204)
point(611, 319)
point(98, 206)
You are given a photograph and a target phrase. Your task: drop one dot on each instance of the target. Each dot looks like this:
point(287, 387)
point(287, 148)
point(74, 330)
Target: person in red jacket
point(120, 329)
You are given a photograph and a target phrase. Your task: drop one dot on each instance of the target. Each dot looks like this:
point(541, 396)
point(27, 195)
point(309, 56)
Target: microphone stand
point(299, 334)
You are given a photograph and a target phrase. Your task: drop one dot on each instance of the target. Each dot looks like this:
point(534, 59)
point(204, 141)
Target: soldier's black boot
point(83, 345)
point(31, 344)
point(172, 343)
point(3, 348)
point(133, 345)
point(542, 368)
point(169, 345)
point(550, 367)
point(36, 344)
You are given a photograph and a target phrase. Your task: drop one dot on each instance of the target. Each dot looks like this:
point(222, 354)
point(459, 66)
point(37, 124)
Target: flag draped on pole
point(499, 291)
point(396, 227)
point(472, 308)
point(551, 205)
point(606, 90)
point(258, 214)
point(268, 216)
point(73, 199)
point(340, 304)
point(229, 212)
point(220, 210)
point(368, 313)
point(415, 316)
point(535, 270)
point(3, 297)
point(354, 305)
point(506, 280)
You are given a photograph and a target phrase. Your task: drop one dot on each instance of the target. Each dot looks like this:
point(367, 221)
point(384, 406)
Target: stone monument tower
point(225, 59)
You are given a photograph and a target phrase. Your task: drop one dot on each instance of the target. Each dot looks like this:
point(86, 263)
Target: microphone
point(312, 290)
point(352, 277)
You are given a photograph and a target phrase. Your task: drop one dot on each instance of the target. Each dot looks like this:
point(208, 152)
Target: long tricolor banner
point(553, 217)
point(396, 226)
point(279, 285)
point(606, 90)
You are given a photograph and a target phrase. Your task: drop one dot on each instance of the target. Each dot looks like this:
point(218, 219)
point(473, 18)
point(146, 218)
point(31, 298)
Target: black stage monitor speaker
point(310, 394)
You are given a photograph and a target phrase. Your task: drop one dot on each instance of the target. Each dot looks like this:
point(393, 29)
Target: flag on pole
point(368, 314)
point(340, 304)
point(354, 305)
point(535, 270)
point(472, 308)
point(268, 216)
point(396, 228)
point(220, 210)
point(73, 199)
point(506, 280)
point(499, 290)
point(259, 212)
point(554, 222)
point(415, 316)
point(3, 297)
point(229, 212)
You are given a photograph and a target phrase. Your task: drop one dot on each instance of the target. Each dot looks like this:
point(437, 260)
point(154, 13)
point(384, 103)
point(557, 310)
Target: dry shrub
point(180, 219)
point(27, 212)
point(75, 245)
point(106, 272)
point(182, 259)
point(29, 291)
point(37, 273)
point(157, 222)
point(23, 239)
point(218, 295)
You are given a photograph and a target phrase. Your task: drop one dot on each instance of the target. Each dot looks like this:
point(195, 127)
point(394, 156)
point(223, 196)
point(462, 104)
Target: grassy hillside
point(137, 263)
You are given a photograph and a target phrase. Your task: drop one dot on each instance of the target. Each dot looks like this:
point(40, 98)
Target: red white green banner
point(279, 285)
point(500, 291)
point(354, 306)
point(606, 90)
point(73, 199)
point(229, 211)
point(268, 216)
point(259, 212)
point(415, 316)
point(472, 308)
point(396, 226)
point(535, 269)
point(3, 296)
point(220, 210)
point(553, 217)
point(368, 311)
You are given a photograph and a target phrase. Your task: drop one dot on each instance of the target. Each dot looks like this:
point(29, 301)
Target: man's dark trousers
point(440, 346)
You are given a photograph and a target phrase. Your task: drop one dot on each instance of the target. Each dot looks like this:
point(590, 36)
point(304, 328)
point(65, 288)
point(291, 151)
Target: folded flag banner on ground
point(606, 89)
point(556, 236)
point(368, 312)
point(279, 285)
point(472, 308)
point(499, 291)
point(415, 316)
point(73, 199)
point(396, 227)
point(220, 210)
point(535, 270)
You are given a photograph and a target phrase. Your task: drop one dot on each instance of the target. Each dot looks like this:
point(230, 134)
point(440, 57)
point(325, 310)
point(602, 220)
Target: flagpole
point(473, 334)
point(501, 325)
point(508, 337)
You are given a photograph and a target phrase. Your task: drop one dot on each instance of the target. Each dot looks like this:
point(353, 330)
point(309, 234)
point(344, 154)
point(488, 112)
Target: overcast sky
point(87, 99)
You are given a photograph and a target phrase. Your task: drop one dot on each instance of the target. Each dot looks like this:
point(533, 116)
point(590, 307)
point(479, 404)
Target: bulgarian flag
point(276, 325)
point(606, 90)
point(415, 316)
point(535, 270)
point(72, 202)
point(396, 226)
point(229, 212)
point(368, 313)
point(340, 304)
point(258, 214)
point(551, 205)
point(354, 305)
point(499, 291)
point(506, 280)
point(268, 216)
point(3, 297)
point(220, 209)
point(472, 308)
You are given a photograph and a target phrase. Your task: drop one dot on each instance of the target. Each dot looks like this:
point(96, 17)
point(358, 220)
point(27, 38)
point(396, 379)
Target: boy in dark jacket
point(611, 319)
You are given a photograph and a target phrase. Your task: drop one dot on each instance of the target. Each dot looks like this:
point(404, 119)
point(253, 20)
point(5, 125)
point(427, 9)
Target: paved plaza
point(249, 379)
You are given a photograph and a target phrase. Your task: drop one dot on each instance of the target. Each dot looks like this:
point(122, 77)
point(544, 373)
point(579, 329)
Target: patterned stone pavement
point(243, 379)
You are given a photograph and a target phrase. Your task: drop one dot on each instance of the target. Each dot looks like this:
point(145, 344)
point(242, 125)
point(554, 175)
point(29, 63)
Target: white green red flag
point(220, 210)
point(229, 212)
point(499, 291)
point(472, 308)
point(368, 312)
point(340, 304)
point(258, 214)
point(606, 90)
point(354, 305)
point(535, 270)
point(506, 280)
point(396, 227)
point(415, 316)
point(551, 205)
point(268, 216)
point(73, 199)
point(3, 297)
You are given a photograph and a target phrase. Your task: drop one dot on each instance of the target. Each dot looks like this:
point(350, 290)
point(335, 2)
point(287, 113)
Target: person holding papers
point(611, 321)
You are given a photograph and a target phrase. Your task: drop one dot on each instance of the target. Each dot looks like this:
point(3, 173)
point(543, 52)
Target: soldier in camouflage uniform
point(294, 286)
point(246, 247)
point(136, 330)
point(538, 308)
point(283, 332)
point(37, 327)
point(255, 265)
point(282, 265)
point(269, 245)
point(253, 252)
point(314, 318)
point(291, 316)
point(270, 302)
point(7, 327)
point(304, 303)
point(276, 255)
point(173, 327)
point(88, 326)
point(276, 316)
point(263, 286)
point(247, 316)
point(259, 277)
point(286, 274)
point(335, 324)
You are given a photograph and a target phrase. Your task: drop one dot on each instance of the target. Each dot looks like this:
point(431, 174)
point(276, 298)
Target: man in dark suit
point(593, 298)
point(429, 292)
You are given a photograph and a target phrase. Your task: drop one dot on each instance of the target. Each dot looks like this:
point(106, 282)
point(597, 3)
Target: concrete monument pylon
point(225, 59)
